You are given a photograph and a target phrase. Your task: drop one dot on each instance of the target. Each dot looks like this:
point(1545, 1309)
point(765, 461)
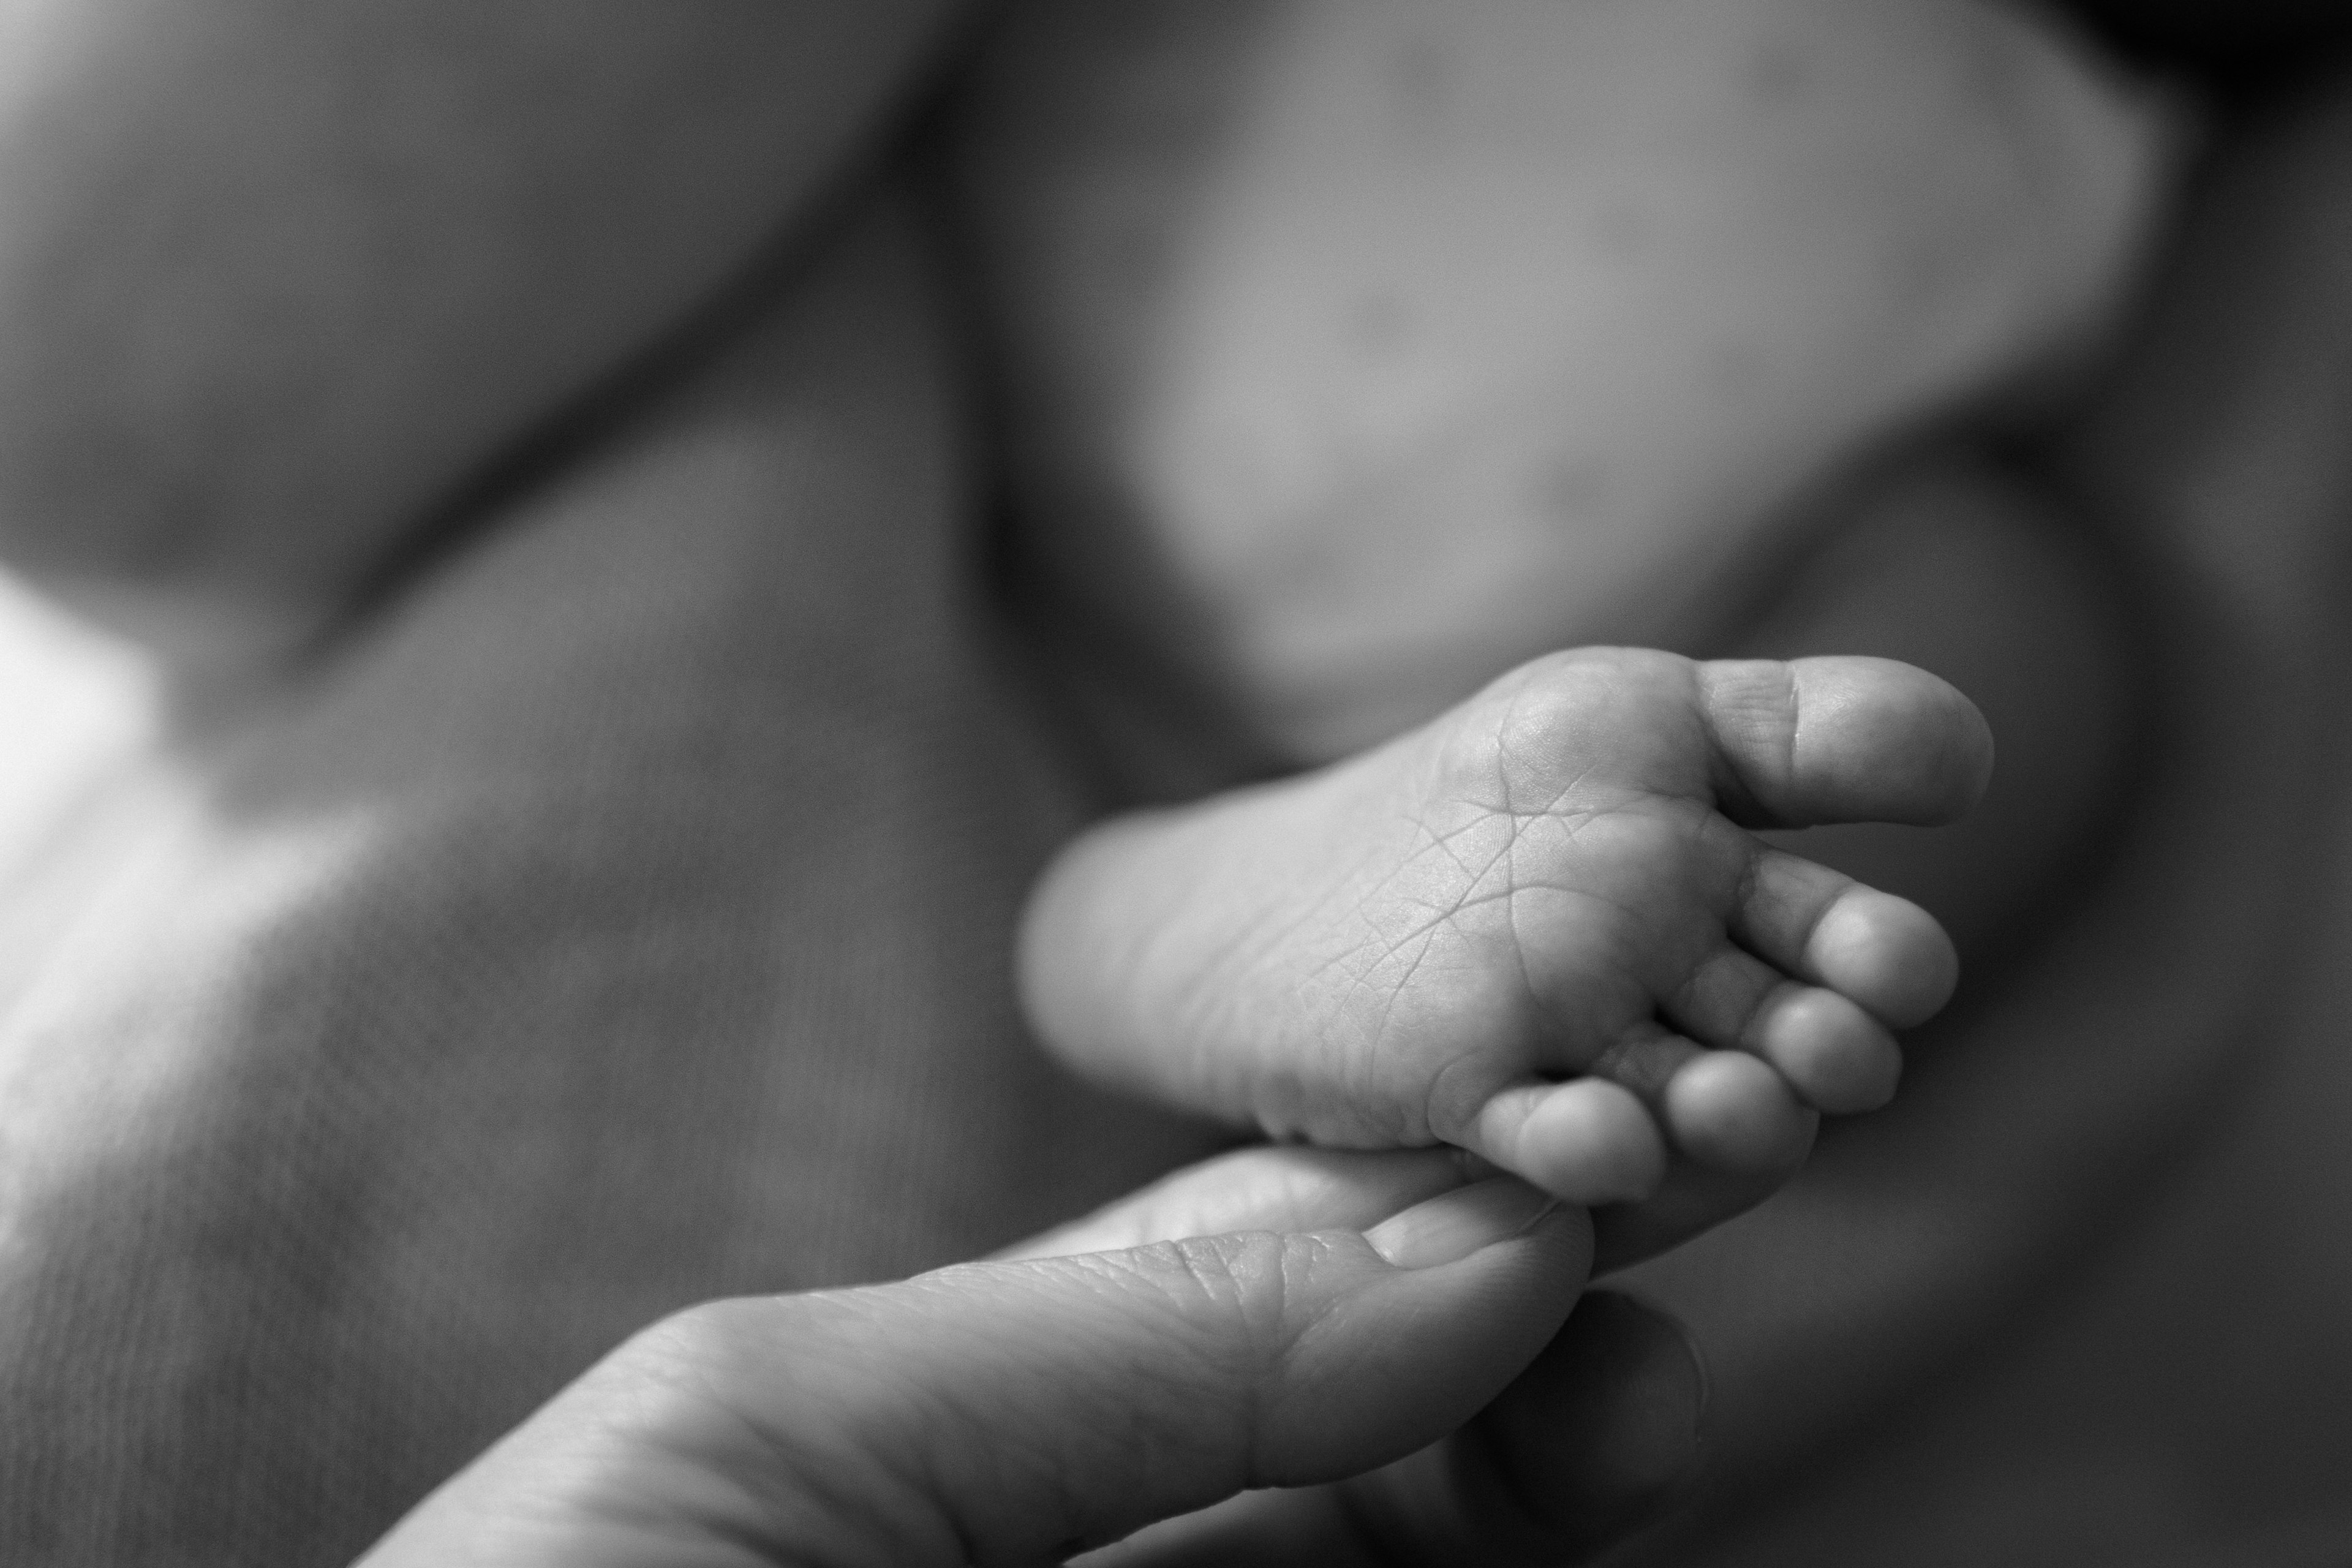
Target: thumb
point(1009, 1410)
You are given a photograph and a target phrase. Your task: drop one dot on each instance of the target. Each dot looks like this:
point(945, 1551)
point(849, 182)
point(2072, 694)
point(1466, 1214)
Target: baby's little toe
point(1733, 1111)
point(1587, 1142)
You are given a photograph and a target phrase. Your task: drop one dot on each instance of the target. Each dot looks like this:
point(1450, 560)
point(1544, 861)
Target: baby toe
point(1733, 1111)
point(1836, 1056)
point(1587, 1142)
point(1886, 953)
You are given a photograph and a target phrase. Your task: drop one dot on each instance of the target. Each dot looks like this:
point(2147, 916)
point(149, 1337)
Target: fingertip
point(1732, 1112)
point(1587, 1142)
point(1886, 953)
point(1277, 1187)
point(1452, 1226)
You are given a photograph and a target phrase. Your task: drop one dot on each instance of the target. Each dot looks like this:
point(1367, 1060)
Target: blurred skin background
point(546, 662)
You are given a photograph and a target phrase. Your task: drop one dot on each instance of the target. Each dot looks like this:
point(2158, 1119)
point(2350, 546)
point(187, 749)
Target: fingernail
point(1452, 1226)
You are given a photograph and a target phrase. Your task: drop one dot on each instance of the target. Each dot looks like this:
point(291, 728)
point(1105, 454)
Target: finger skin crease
point(1746, 708)
point(1251, 1281)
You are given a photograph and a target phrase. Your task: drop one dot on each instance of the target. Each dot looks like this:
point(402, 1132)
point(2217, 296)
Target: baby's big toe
point(1842, 739)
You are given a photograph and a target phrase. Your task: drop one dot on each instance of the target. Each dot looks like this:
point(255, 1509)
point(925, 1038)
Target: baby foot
point(1536, 928)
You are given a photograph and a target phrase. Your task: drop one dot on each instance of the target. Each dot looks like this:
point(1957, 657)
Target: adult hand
point(618, 824)
point(1038, 1402)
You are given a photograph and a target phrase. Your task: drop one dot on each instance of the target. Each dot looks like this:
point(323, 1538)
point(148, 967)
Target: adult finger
point(1595, 1439)
point(1292, 1188)
point(1008, 1409)
point(1692, 1199)
point(1280, 1187)
point(1598, 1434)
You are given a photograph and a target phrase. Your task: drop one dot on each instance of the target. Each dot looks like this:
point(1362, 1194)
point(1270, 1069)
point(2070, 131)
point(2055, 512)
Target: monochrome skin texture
point(1550, 883)
point(614, 917)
